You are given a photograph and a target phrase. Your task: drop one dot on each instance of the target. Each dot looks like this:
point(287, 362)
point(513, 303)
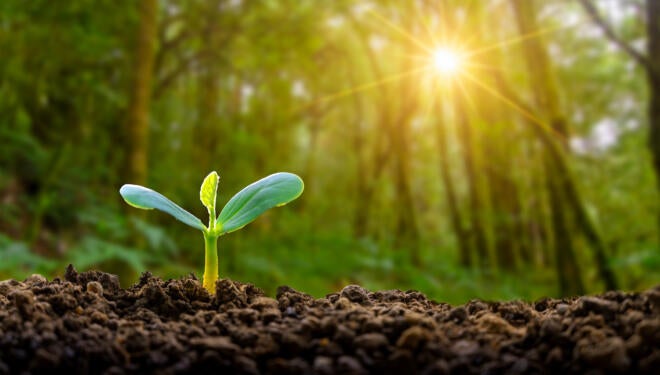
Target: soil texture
point(86, 323)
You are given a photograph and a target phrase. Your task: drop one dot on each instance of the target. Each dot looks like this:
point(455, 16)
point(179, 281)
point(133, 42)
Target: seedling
point(273, 191)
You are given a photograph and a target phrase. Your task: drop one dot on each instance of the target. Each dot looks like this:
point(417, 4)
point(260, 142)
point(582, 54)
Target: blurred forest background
point(482, 148)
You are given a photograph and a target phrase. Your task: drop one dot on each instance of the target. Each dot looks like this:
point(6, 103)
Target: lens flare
point(446, 61)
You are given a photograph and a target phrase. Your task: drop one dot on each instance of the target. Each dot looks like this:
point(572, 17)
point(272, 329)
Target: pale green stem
point(210, 262)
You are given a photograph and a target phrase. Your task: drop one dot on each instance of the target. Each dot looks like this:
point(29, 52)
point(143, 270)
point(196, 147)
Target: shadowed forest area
point(496, 149)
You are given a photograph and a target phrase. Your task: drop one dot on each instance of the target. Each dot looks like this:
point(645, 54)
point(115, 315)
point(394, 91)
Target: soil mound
point(86, 323)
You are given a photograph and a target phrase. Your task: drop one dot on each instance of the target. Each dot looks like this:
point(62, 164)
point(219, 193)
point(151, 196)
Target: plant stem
point(210, 262)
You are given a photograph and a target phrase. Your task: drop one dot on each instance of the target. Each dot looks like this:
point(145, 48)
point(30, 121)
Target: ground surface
point(86, 323)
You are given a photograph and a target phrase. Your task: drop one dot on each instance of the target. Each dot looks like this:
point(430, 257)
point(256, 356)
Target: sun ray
point(425, 25)
point(401, 31)
point(521, 38)
point(480, 66)
point(369, 85)
point(471, 104)
point(444, 41)
point(535, 120)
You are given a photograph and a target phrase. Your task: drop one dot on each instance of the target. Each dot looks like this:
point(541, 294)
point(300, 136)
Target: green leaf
point(275, 190)
point(147, 199)
point(208, 191)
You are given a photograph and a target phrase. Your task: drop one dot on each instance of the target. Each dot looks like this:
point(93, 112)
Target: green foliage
point(275, 190)
point(16, 258)
point(103, 251)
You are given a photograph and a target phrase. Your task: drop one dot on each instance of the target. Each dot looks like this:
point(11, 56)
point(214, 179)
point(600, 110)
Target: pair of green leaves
point(275, 190)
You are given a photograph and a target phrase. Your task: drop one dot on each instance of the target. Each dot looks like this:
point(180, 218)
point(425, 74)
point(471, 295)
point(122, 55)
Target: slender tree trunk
point(372, 162)
point(505, 212)
point(500, 210)
point(557, 157)
point(653, 73)
point(475, 236)
point(568, 271)
point(477, 206)
point(363, 188)
point(371, 168)
point(547, 99)
point(206, 137)
point(651, 64)
point(406, 231)
point(361, 213)
point(503, 194)
point(539, 210)
point(315, 118)
point(137, 124)
point(407, 234)
point(462, 238)
point(507, 183)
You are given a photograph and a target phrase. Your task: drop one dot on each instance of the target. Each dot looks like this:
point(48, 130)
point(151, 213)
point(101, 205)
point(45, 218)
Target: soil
point(86, 323)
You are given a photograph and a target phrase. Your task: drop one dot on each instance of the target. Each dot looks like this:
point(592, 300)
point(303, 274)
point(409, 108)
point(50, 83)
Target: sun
point(446, 60)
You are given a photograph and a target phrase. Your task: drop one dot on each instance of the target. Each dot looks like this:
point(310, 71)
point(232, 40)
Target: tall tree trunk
point(562, 187)
point(407, 234)
point(406, 230)
point(137, 124)
point(653, 73)
point(363, 185)
point(207, 137)
point(510, 242)
point(546, 99)
point(471, 160)
point(507, 185)
point(315, 118)
point(568, 271)
point(505, 211)
point(464, 242)
point(503, 197)
point(392, 143)
point(650, 63)
point(370, 166)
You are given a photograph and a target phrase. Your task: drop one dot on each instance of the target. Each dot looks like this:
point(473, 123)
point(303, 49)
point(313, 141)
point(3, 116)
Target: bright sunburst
point(442, 56)
point(447, 60)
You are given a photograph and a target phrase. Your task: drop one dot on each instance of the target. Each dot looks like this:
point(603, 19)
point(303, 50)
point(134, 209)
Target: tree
point(650, 62)
point(465, 245)
point(563, 193)
point(471, 158)
point(137, 123)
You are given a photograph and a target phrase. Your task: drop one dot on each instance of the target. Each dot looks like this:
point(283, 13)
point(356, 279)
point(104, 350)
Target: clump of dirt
point(86, 323)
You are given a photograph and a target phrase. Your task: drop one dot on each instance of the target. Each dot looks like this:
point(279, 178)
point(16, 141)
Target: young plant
point(273, 191)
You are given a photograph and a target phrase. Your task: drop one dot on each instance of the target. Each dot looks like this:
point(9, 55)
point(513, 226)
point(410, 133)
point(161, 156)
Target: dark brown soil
point(87, 324)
